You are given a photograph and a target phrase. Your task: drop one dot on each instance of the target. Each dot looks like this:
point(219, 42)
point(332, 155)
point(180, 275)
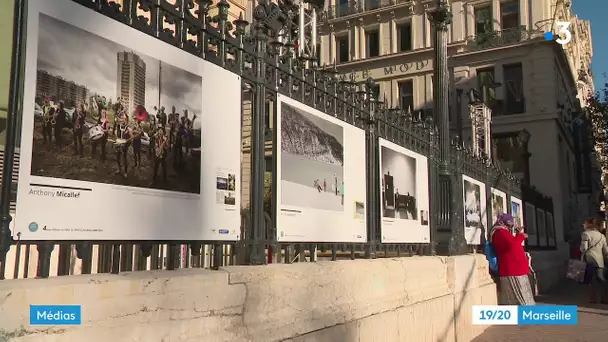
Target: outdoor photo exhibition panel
point(517, 212)
point(530, 225)
point(499, 204)
point(475, 214)
point(113, 122)
point(551, 230)
point(404, 182)
point(320, 176)
point(542, 227)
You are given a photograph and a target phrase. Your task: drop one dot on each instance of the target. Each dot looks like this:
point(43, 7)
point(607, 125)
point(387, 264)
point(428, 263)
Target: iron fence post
point(257, 233)
point(373, 201)
point(440, 18)
point(14, 108)
point(433, 188)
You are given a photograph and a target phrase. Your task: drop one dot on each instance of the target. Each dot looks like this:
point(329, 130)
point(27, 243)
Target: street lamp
point(524, 138)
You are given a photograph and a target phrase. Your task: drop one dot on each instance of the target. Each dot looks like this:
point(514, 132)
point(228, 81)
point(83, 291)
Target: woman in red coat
point(513, 266)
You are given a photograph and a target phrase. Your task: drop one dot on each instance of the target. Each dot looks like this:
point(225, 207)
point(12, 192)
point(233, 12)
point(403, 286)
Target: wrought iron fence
point(267, 67)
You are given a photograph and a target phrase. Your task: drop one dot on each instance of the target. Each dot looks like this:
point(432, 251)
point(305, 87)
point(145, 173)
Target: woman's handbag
point(576, 270)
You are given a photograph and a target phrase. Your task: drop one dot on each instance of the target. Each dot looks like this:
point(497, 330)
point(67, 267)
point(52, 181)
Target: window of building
point(343, 8)
point(514, 89)
point(509, 15)
point(372, 41)
point(485, 78)
point(372, 4)
point(509, 153)
point(483, 20)
point(318, 53)
point(406, 95)
point(342, 47)
point(404, 37)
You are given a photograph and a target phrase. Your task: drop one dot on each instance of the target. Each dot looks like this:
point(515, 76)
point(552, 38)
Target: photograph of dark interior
point(398, 185)
point(472, 204)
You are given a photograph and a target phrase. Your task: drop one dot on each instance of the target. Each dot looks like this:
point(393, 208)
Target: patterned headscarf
point(503, 221)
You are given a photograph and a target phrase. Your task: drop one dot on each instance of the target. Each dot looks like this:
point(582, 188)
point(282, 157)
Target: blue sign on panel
point(55, 315)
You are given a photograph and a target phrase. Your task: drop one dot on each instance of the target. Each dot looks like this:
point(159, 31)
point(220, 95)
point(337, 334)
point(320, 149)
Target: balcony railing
point(357, 6)
point(496, 39)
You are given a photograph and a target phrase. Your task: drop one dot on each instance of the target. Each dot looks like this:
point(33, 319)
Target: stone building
point(498, 48)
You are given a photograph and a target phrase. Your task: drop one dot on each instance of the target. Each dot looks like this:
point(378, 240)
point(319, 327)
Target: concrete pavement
point(592, 321)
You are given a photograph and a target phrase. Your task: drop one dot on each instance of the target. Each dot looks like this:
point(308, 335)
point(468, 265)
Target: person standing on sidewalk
point(594, 251)
point(513, 266)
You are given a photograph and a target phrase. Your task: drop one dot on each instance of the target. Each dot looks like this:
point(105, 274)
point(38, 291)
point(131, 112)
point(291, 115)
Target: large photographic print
point(107, 113)
point(475, 216)
point(113, 122)
point(472, 204)
point(541, 227)
point(530, 225)
point(517, 211)
point(398, 187)
point(499, 203)
point(321, 178)
point(312, 161)
point(405, 198)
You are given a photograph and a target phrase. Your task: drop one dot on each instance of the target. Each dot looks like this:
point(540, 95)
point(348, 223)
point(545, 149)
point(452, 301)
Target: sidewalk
point(592, 321)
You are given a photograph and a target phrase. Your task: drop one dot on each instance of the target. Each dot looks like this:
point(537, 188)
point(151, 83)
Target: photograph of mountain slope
point(312, 161)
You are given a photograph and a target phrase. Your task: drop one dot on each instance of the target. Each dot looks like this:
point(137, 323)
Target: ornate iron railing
point(353, 7)
point(267, 67)
point(496, 39)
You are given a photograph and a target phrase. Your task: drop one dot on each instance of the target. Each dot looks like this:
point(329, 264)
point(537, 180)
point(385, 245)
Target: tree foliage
point(597, 113)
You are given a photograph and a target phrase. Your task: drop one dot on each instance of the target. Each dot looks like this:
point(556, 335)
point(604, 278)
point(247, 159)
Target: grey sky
point(89, 60)
point(328, 127)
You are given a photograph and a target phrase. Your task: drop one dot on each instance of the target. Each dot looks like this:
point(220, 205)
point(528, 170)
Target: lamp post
point(524, 138)
point(440, 17)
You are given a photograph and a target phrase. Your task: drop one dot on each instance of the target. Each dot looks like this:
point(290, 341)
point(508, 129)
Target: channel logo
point(564, 35)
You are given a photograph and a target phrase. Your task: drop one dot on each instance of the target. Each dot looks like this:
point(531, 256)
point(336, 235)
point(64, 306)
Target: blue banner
point(547, 315)
point(55, 315)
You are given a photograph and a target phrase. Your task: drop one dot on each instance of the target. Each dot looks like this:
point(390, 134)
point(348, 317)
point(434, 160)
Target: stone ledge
point(305, 301)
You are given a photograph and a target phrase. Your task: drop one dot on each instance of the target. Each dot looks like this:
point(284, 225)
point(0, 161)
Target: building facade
point(535, 88)
point(130, 81)
point(59, 89)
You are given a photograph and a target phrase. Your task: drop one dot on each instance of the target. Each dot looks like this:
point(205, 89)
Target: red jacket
point(512, 260)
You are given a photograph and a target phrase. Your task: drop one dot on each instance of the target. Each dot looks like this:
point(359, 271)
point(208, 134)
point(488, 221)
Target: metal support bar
point(14, 110)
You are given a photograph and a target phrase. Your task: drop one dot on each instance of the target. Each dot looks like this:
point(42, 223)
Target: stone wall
point(403, 299)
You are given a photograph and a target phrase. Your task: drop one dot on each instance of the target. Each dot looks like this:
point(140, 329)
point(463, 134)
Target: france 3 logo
point(564, 36)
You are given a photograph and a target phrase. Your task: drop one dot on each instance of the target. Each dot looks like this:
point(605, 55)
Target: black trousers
point(57, 134)
point(137, 151)
point(121, 157)
point(47, 133)
point(178, 154)
point(78, 148)
point(160, 163)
